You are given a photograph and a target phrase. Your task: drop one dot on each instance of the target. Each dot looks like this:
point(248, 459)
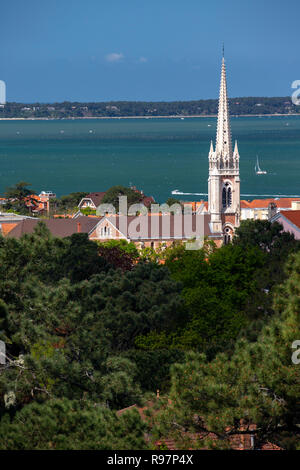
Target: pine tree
point(61, 424)
point(258, 385)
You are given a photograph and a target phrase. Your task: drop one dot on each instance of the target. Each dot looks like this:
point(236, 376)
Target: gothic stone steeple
point(224, 181)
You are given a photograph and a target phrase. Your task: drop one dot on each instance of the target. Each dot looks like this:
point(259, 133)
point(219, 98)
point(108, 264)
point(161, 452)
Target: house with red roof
point(151, 230)
point(290, 220)
point(245, 440)
point(264, 209)
point(91, 200)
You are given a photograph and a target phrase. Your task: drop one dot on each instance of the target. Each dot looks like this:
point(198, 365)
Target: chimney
point(78, 227)
point(272, 210)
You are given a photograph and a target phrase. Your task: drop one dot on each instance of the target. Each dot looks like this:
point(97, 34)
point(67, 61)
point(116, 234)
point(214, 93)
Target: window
point(227, 236)
point(226, 196)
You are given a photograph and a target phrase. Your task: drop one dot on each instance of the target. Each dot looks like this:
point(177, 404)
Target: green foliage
point(172, 200)
point(80, 259)
point(259, 384)
point(153, 366)
point(88, 211)
point(68, 203)
point(276, 245)
point(70, 318)
point(112, 196)
point(61, 424)
point(17, 195)
point(67, 109)
point(50, 259)
point(267, 236)
point(101, 324)
point(122, 245)
point(19, 191)
point(119, 253)
point(216, 286)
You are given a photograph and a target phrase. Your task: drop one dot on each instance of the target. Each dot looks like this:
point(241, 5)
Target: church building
point(224, 175)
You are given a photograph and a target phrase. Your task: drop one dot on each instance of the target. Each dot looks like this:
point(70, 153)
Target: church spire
point(223, 142)
point(224, 177)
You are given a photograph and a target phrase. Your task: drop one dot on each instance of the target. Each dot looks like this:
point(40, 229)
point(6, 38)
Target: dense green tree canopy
point(70, 316)
point(61, 424)
point(216, 287)
point(259, 384)
point(67, 109)
point(68, 202)
point(102, 324)
point(17, 195)
point(112, 196)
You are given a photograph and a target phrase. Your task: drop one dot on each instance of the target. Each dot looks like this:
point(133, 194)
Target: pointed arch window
point(226, 196)
point(227, 236)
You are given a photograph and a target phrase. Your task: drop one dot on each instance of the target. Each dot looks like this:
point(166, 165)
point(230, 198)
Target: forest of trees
point(238, 106)
point(91, 328)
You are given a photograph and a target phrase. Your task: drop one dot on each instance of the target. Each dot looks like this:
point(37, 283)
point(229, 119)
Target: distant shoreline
point(144, 117)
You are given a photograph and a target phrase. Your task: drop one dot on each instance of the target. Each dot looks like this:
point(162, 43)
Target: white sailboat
point(258, 171)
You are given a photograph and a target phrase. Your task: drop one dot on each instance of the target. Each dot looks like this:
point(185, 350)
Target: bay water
point(157, 155)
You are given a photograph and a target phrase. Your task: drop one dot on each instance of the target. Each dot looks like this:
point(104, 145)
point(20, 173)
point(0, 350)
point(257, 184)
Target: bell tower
point(224, 174)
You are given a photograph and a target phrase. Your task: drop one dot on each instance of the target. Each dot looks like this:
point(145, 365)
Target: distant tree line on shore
point(67, 109)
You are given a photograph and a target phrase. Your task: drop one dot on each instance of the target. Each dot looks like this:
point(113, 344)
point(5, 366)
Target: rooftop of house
point(149, 411)
point(160, 227)
point(292, 216)
point(154, 227)
point(11, 216)
point(58, 227)
point(196, 204)
point(96, 198)
point(283, 202)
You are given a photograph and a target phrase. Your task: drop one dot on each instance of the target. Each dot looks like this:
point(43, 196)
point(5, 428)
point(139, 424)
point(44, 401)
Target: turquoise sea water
point(156, 155)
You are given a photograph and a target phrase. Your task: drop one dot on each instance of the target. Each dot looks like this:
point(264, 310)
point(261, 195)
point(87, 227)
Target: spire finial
point(223, 51)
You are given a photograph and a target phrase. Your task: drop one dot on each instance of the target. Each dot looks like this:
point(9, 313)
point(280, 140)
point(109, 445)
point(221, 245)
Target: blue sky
point(100, 50)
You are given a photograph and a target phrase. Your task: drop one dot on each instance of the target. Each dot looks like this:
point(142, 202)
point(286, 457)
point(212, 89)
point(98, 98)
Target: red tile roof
point(284, 203)
point(237, 441)
point(196, 204)
point(147, 201)
point(6, 227)
point(292, 216)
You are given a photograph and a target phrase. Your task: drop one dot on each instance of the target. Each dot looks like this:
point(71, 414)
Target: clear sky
point(100, 50)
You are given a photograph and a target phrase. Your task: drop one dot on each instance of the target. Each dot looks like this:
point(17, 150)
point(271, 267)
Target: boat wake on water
point(176, 191)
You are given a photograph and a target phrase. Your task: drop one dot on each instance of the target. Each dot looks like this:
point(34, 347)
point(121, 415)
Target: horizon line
point(146, 101)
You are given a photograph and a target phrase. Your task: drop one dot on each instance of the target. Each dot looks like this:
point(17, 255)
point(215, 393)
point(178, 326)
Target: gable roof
point(155, 227)
point(58, 227)
point(96, 198)
point(292, 216)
